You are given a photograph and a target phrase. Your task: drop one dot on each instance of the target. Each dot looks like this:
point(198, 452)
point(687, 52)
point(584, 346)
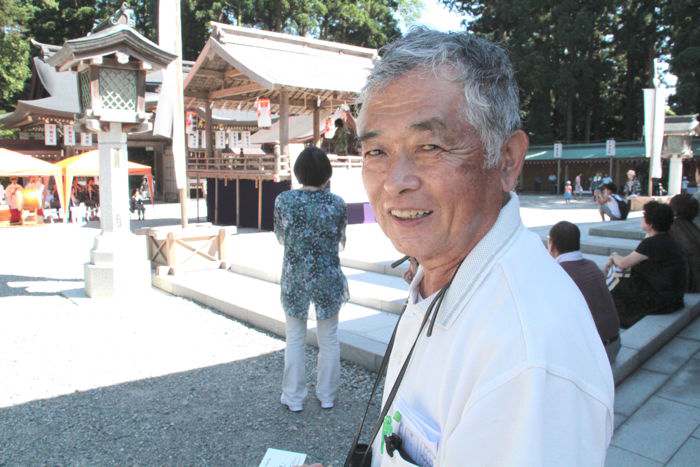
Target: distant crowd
point(650, 280)
point(39, 196)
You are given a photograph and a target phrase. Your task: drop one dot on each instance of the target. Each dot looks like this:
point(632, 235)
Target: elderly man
point(496, 355)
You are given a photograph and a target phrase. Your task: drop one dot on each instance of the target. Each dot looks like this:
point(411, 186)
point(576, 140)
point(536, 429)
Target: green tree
point(581, 64)
point(683, 22)
point(14, 51)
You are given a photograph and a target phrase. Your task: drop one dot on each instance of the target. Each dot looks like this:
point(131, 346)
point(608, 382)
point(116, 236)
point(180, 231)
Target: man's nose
point(402, 176)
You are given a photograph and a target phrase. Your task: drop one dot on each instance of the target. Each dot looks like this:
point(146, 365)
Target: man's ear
point(512, 159)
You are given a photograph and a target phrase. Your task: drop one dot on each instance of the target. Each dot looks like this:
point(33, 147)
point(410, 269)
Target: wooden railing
point(238, 164)
point(349, 162)
point(224, 164)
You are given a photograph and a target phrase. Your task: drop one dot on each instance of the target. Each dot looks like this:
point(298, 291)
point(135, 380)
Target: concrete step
point(363, 332)
point(629, 229)
point(370, 289)
point(649, 334)
point(596, 245)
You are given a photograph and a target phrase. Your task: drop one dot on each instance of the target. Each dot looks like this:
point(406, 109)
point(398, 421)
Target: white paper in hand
point(279, 458)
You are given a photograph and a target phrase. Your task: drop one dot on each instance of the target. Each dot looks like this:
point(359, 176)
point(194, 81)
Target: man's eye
point(429, 147)
point(374, 153)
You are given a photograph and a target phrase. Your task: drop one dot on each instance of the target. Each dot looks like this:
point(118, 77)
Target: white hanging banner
point(220, 139)
point(50, 136)
point(233, 140)
point(193, 140)
point(263, 111)
point(245, 139)
point(203, 140)
point(86, 139)
point(68, 135)
point(654, 119)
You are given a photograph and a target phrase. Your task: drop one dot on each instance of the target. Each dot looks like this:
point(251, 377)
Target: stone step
point(363, 332)
point(649, 334)
point(600, 246)
point(629, 229)
point(370, 289)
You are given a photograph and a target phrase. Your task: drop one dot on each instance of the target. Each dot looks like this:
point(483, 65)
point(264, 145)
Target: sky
point(435, 15)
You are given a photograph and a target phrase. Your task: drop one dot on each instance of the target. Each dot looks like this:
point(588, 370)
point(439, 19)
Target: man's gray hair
point(490, 90)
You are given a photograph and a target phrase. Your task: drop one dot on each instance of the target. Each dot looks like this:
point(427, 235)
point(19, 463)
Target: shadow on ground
point(13, 286)
point(556, 202)
point(226, 414)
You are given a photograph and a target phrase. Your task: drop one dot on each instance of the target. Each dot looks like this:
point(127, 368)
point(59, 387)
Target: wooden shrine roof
point(238, 65)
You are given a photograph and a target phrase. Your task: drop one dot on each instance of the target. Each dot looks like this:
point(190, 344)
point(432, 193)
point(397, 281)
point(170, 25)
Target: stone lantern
point(111, 63)
point(678, 133)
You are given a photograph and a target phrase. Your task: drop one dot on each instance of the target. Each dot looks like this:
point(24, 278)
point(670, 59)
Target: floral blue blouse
point(311, 225)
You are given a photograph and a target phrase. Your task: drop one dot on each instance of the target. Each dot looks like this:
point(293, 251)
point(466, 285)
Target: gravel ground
point(155, 380)
point(227, 413)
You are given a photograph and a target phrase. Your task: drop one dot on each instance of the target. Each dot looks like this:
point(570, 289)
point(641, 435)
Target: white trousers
point(328, 366)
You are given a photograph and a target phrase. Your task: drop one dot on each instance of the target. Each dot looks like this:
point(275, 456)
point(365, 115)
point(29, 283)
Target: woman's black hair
point(339, 122)
point(312, 167)
point(658, 215)
point(684, 206)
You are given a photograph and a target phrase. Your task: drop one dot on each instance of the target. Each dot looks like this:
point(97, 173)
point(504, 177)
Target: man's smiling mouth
point(408, 214)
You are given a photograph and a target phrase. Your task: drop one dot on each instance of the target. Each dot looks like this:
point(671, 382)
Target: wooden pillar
point(238, 202)
point(260, 185)
point(209, 130)
point(317, 124)
point(223, 254)
point(284, 122)
point(216, 201)
point(566, 172)
point(618, 180)
point(197, 188)
point(610, 168)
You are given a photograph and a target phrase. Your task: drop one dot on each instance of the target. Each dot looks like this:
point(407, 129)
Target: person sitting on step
point(658, 270)
point(564, 244)
point(687, 235)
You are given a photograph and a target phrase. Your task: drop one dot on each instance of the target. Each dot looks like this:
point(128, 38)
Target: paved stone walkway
point(657, 408)
point(165, 381)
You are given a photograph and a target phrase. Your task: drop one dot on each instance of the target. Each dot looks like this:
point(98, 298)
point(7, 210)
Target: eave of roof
point(118, 38)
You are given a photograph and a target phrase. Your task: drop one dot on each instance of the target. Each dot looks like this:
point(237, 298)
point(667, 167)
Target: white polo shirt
point(514, 373)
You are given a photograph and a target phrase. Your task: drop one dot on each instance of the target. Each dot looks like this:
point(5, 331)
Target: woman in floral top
point(310, 223)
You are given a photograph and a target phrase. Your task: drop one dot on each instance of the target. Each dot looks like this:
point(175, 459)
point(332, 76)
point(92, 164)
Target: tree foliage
point(683, 19)
point(582, 64)
point(14, 51)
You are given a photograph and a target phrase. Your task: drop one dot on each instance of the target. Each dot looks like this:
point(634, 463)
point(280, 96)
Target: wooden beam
point(197, 94)
point(233, 73)
point(235, 91)
point(304, 104)
point(211, 74)
point(284, 122)
point(317, 125)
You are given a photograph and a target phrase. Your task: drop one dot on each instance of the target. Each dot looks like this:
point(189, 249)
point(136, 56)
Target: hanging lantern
point(220, 139)
point(85, 139)
point(263, 112)
point(50, 136)
point(68, 135)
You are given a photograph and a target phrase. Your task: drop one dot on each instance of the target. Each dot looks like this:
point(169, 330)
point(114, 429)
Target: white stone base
point(118, 266)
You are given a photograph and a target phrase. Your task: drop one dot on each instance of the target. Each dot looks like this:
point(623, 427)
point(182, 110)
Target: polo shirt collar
point(480, 260)
point(570, 256)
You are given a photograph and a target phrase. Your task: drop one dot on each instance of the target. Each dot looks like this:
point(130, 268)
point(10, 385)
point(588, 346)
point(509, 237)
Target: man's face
point(424, 169)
